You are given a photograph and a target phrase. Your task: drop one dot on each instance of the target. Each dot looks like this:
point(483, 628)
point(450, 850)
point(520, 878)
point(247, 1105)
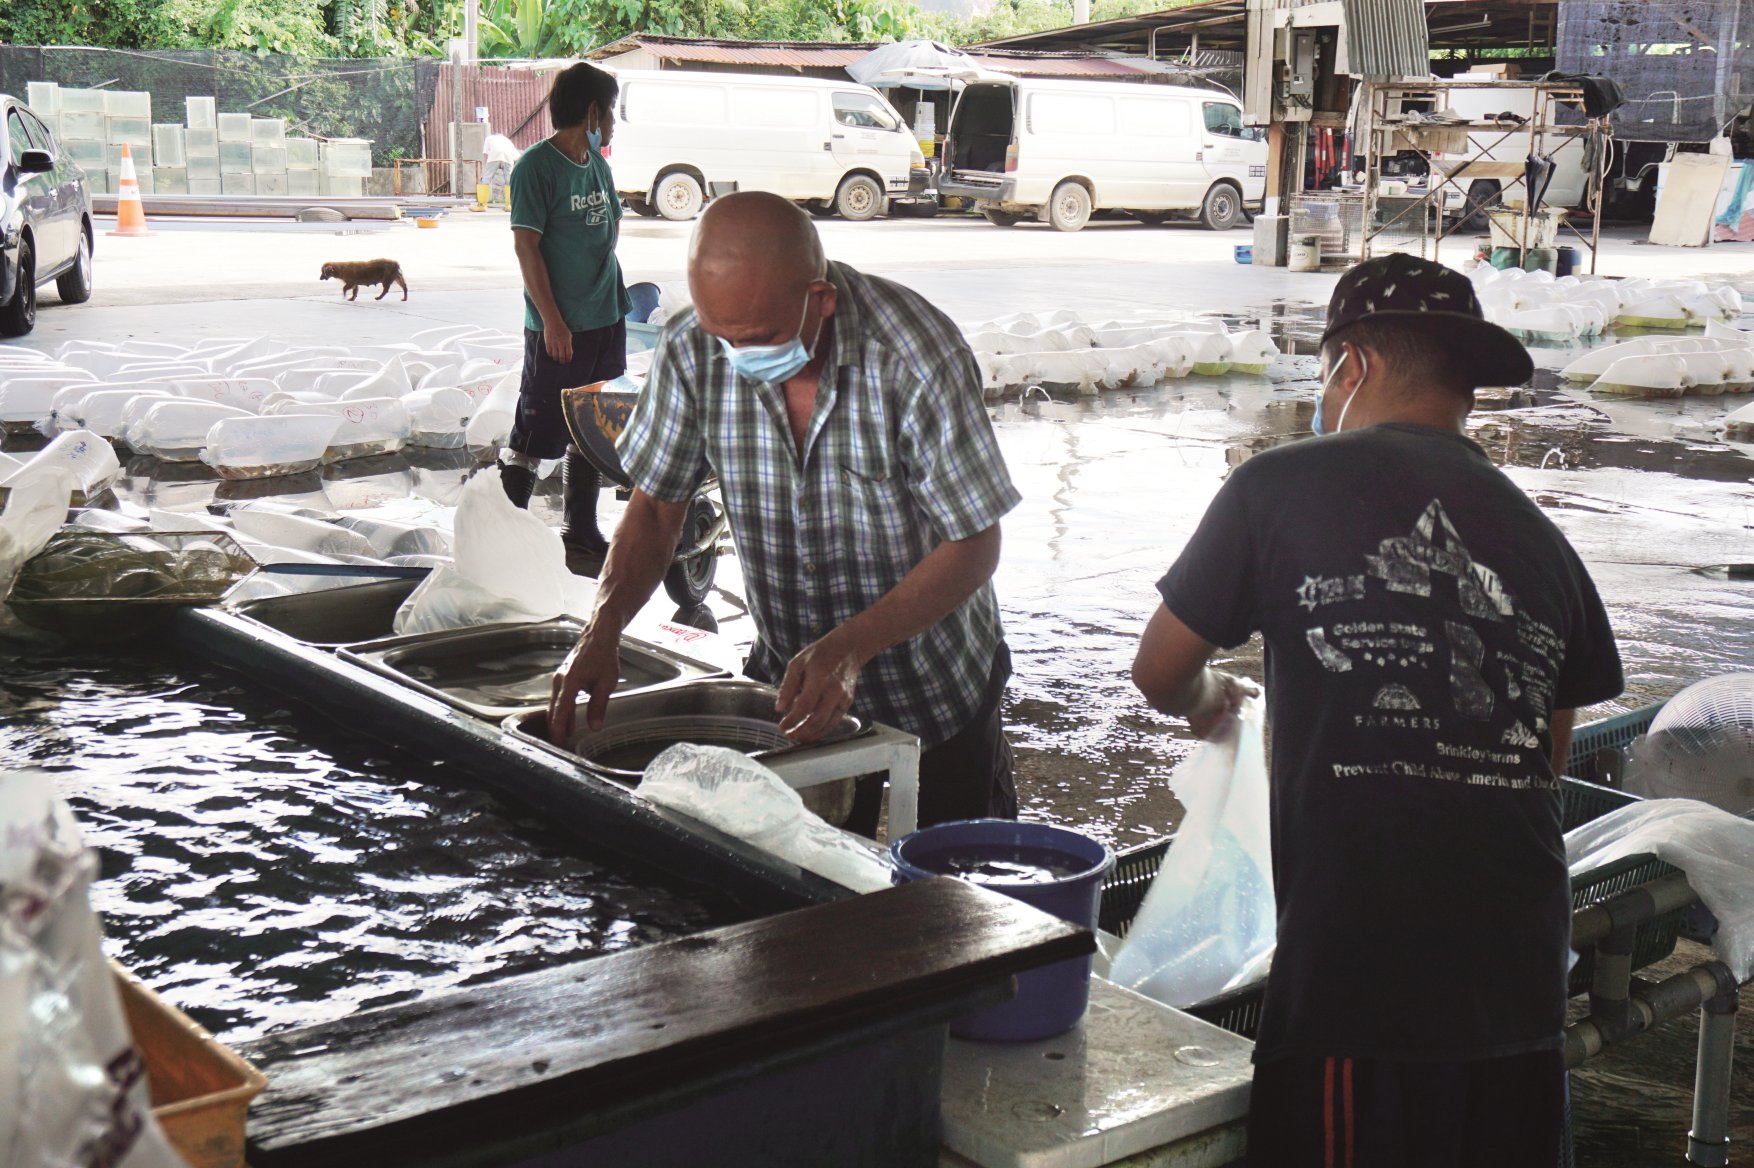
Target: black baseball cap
point(1404, 287)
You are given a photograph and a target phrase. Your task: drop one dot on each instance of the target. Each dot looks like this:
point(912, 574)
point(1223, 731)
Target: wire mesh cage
point(1336, 218)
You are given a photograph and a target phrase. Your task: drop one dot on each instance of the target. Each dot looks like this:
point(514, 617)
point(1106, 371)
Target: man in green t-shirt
point(565, 219)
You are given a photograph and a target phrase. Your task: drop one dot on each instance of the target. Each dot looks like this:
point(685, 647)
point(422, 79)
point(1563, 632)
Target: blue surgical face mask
point(772, 363)
point(595, 138)
point(1317, 424)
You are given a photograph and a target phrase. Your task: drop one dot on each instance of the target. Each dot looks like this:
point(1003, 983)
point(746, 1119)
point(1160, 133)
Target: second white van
point(1060, 150)
point(834, 146)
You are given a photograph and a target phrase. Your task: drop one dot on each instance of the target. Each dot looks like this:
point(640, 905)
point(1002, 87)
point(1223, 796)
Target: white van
point(831, 145)
point(1492, 170)
point(1058, 150)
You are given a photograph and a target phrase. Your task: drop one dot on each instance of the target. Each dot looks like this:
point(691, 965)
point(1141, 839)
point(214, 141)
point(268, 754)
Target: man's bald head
point(753, 261)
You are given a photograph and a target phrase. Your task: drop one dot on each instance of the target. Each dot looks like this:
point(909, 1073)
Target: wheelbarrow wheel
point(689, 580)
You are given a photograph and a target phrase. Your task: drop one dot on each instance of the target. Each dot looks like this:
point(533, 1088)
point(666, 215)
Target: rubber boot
point(580, 484)
point(519, 483)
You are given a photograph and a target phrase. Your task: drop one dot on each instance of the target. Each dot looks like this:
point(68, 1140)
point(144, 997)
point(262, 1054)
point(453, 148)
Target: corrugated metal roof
point(1045, 65)
point(1385, 38)
point(783, 54)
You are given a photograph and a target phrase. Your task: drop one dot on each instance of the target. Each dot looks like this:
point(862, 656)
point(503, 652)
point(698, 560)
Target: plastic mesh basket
point(1588, 760)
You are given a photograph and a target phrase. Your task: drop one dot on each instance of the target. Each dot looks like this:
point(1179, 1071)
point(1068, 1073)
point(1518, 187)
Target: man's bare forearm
point(639, 555)
point(528, 246)
point(935, 587)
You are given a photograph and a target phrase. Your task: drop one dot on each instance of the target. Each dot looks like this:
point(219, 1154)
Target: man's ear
point(828, 298)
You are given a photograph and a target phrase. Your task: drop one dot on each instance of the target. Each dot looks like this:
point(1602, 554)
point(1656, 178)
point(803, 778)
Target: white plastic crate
point(268, 159)
point(127, 103)
point(302, 153)
point(82, 101)
point(267, 131)
point(167, 146)
point(234, 127)
point(235, 157)
point(271, 184)
point(170, 180)
point(200, 113)
point(43, 97)
point(237, 184)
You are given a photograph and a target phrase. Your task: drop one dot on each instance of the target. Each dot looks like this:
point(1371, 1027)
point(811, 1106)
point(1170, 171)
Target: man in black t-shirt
point(1429, 634)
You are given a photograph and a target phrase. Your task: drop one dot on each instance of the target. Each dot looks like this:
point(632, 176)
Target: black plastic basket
point(1654, 940)
point(1126, 884)
point(1588, 743)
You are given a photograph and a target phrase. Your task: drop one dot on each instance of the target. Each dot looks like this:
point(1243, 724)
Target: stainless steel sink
point(499, 670)
point(638, 726)
point(332, 617)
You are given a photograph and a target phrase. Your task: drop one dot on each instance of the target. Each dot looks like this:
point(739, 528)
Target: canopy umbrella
point(913, 64)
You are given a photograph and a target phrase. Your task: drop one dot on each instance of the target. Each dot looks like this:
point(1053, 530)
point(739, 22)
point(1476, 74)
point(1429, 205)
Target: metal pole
point(1708, 1143)
point(456, 137)
point(472, 29)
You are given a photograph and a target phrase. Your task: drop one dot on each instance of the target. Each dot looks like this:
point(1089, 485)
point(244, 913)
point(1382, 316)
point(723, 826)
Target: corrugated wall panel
point(1387, 38)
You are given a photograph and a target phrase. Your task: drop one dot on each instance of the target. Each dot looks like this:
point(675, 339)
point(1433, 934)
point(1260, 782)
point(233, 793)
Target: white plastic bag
point(91, 461)
point(732, 792)
point(72, 1088)
point(254, 447)
point(1714, 848)
point(491, 423)
point(510, 566)
point(1209, 921)
point(36, 507)
point(175, 429)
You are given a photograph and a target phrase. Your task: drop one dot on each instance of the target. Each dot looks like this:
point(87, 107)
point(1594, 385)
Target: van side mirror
point(36, 162)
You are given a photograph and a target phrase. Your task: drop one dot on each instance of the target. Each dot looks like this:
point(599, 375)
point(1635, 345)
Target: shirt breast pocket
point(876, 507)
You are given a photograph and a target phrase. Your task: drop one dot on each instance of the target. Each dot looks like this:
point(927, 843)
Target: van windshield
point(864, 111)
point(1224, 119)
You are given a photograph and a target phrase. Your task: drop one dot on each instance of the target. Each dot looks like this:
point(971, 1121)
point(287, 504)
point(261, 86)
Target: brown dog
point(353, 274)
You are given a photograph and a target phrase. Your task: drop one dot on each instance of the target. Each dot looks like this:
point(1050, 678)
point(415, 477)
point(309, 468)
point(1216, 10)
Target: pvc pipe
point(1708, 1142)
point(1650, 1005)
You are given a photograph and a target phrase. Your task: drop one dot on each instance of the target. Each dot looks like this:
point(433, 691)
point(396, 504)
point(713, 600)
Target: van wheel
point(1001, 218)
point(1069, 209)
point(1482, 191)
point(1222, 209)
point(821, 208)
point(679, 196)
point(19, 315)
point(859, 198)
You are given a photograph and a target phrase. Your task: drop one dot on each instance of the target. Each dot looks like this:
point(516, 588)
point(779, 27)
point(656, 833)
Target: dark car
point(45, 219)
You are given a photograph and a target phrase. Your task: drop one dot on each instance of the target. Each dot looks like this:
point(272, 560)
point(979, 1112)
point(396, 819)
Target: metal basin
point(332, 617)
point(499, 670)
point(638, 726)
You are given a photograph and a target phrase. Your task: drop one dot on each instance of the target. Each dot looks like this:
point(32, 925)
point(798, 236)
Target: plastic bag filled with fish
point(1208, 923)
point(73, 1089)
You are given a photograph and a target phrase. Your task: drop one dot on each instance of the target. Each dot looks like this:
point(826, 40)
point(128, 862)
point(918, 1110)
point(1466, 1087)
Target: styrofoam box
point(301, 153)
point(170, 180)
point(83, 125)
point(128, 103)
point(303, 182)
point(200, 143)
point(235, 157)
point(267, 131)
point(234, 127)
point(82, 101)
point(90, 155)
point(200, 113)
point(202, 167)
point(43, 97)
point(205, 186)
point(342, 187)
point(142, 156)
point(268, 159)
point(271, 184)
point(167, 145)
point(347, 158)
point(132, 130)
point(237, 184)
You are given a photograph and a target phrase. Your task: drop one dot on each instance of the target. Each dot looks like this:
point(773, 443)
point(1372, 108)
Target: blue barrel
point(1568, 257)
point(1057, 871)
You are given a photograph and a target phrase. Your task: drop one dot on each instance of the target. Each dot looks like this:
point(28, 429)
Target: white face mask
point(1363, 372)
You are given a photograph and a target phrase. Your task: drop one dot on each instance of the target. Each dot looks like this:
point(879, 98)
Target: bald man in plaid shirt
point(843, 417)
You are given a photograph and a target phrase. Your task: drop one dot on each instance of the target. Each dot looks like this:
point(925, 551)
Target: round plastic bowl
point(1049, 1000)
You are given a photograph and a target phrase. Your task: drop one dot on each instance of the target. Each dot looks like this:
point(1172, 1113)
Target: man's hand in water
point(819, 685)
point(592, 668)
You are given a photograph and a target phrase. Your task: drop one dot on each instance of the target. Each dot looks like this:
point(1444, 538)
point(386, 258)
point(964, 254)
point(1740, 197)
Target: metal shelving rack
point(1385, 100)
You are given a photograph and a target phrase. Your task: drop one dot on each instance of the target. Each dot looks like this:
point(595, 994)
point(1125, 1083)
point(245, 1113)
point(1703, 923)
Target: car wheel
point(19, 315)
point(642, 208)
point(1069, 209)
point(679, 196)
point(1222, 209)
point(687, 582)
point(1483, 195)
point(74, 284)
point(859, 198)
point(1001, 218)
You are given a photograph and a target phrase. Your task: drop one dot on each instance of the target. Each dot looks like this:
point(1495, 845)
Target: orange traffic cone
point(130, 213)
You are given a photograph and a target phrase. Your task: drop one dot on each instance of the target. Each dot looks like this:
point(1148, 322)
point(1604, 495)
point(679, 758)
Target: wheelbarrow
point(596, 415)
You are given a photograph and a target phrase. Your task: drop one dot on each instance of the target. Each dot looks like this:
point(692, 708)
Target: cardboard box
point(1509, 70)
point(200, 113)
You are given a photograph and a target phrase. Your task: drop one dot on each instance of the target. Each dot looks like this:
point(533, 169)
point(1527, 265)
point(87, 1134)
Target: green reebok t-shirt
point(576, 211)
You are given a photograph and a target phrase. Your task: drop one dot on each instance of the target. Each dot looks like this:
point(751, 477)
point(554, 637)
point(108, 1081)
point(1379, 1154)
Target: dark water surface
point(266, 868)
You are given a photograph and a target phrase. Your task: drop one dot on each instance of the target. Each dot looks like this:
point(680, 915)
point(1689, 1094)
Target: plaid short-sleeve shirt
point(899, 456)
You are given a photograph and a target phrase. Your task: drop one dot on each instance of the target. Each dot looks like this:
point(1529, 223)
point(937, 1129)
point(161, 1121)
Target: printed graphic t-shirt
point(576, 211)
point(1422, 620)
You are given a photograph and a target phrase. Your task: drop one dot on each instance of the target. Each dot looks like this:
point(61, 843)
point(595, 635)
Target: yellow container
point(200, 1088)
point(426, 221)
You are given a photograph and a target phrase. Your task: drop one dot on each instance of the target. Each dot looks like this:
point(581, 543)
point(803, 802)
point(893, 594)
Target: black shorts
point(539, 428)
point(1313, 1112)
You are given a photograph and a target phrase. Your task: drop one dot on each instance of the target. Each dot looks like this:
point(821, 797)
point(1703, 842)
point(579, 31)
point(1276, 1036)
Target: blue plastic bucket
point(1055, 870)
point(1245, 253)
